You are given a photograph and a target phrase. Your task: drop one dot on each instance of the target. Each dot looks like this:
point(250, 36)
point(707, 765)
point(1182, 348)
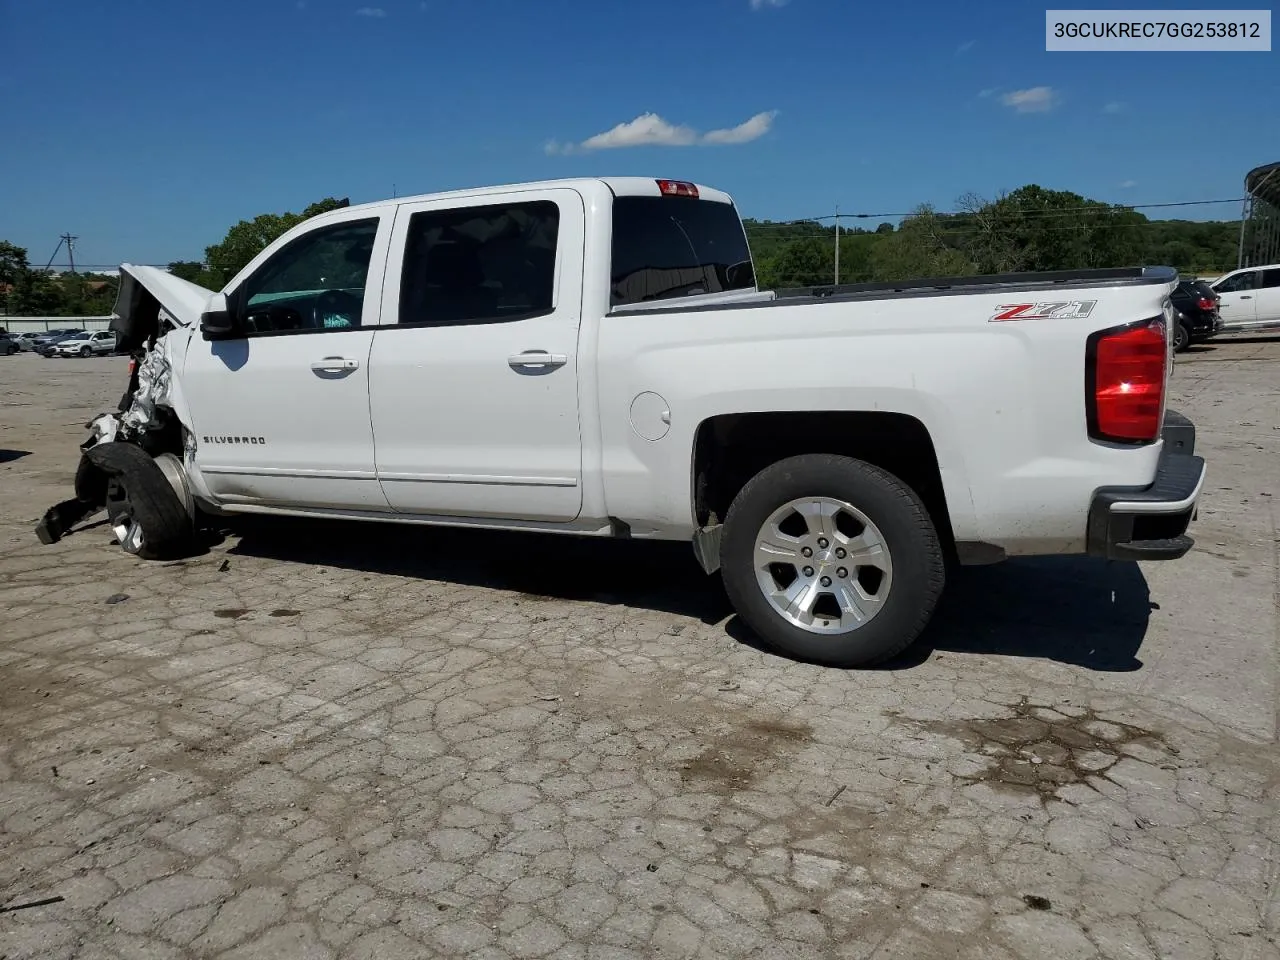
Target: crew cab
point(594, 357)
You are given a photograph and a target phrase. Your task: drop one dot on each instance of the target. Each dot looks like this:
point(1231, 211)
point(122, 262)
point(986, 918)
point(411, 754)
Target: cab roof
point(588, 186)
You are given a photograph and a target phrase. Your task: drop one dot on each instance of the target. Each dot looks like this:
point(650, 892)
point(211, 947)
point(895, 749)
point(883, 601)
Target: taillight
point(1125, 378)
point(1206, 303)
point(678, 188)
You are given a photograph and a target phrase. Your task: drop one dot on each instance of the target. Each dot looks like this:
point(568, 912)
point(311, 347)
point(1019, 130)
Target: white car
point(1249, 298)
point(593, 357)
point(85, 345)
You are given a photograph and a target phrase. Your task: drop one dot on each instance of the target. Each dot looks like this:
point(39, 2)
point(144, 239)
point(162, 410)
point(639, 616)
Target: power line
point(1113, 208)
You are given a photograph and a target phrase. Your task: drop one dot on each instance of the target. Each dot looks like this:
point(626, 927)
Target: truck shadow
point(1073, 610)
point(642, 574)
point(1076, 610)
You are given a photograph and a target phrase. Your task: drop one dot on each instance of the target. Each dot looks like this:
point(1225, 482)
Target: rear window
point(667, 247)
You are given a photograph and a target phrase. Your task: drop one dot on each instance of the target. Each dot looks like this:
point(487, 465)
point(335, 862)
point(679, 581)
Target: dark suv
point(1198, 317)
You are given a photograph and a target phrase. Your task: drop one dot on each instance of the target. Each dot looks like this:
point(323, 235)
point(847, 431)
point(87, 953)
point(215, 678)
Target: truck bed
point(1042, 282)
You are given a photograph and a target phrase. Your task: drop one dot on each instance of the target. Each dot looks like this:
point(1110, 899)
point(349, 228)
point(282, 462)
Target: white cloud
point(651, 130)
point(1126, 184)
point(745, 132)
point(648, 129)
point(371, 12)
point(1031, 100)
point(1115, 106)
point(761, 4)
point(988, 92)
point(965, 47)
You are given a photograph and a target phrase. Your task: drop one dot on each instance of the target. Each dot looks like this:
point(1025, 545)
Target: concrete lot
point(320, 741)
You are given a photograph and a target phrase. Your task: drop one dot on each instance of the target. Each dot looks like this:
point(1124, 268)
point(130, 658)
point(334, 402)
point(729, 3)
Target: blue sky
point(148, 127)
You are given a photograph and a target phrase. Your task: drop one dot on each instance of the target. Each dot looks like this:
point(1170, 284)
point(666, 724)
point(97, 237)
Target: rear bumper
point(1150, 523)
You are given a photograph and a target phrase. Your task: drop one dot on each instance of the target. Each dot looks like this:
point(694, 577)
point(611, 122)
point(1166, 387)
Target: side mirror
point(216, 320)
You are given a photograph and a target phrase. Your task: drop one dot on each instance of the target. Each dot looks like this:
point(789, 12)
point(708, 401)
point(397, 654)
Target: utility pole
point(837, 245)
point(70, 241)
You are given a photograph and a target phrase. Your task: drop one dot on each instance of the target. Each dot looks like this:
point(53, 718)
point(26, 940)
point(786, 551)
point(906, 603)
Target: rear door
point(1238, 305)
point(473, 389)
point(1267, 297)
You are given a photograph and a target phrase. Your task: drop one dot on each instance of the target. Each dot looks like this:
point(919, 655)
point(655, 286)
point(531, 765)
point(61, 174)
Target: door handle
point(537, 358)
point(1247, 296)
point(335, 364)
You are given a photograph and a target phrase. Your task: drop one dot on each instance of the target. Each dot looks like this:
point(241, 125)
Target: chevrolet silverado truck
point(594, 357)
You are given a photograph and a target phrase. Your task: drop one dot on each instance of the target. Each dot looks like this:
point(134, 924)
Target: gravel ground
point(336, 741)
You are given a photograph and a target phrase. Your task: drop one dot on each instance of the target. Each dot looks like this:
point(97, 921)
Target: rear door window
point(667, 247)
point(480, 264)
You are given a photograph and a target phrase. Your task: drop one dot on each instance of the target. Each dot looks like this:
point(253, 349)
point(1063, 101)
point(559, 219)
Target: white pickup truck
point(593, 357)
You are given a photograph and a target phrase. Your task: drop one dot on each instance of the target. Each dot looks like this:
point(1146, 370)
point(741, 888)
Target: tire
point(1181, 338)
point(85, 352)
point(146, 514)
point(895, 591)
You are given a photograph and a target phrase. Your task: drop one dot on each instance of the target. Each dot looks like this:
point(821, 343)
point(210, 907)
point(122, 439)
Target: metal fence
point(16, 325)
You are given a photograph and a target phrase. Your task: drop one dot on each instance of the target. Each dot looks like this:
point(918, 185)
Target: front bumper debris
point(1150, 523)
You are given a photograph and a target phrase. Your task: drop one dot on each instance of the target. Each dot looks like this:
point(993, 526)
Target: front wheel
point(832, 560)
point(85, 352)
point(144, 511)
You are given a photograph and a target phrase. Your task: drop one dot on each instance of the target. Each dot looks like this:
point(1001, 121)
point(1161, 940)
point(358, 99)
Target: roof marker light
point(678, 188)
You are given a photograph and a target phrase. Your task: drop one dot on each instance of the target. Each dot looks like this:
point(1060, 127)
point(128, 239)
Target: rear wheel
point(832, 560)
point(146, 514)
point(1181, 338)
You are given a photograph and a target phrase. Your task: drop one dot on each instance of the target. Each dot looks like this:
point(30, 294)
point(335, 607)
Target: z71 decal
point(1062, 310)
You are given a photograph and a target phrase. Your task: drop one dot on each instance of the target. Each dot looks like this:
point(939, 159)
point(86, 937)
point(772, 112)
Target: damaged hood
point(144, 292)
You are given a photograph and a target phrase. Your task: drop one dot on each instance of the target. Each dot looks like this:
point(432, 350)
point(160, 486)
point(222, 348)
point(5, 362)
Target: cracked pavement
point(341, 741)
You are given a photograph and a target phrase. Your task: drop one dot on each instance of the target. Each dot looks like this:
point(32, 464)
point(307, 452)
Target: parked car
point(43, 341)
point(1198, 318)
point(1250, 298)
point(8, 344)
point(26, 341)
point(84, 345)
point(594, 357)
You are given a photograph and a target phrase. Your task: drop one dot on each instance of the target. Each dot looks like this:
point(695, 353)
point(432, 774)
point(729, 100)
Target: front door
point(473, 376)
point(281, 410)
point(1237, 303)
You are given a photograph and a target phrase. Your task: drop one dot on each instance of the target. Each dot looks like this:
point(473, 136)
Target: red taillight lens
point(1127, 376)
point(1205, 303)
point(678, 188)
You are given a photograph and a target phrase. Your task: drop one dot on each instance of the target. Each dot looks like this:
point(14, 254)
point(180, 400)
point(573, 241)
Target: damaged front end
point(144, 418)
point(149, 329)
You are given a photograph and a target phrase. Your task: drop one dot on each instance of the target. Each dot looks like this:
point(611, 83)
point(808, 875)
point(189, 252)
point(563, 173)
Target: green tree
point(36, 294)
point(248, 238)
point(920, 247)
point(1037, 229)
point(13, 265)
point(189, 270)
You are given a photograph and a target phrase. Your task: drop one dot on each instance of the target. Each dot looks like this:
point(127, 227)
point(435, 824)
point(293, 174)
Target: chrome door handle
point(537, 358)
point(335, 364)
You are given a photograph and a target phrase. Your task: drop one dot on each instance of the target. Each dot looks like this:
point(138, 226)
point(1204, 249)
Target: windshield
point(675, 247)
